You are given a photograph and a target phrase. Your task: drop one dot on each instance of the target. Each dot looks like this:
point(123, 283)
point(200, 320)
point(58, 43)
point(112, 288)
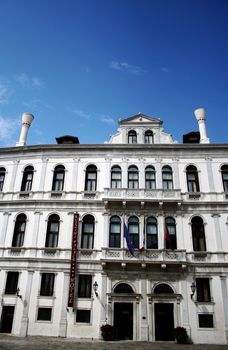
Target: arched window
point(19, 231)
point(192, 179)
point(114, 232)
point(151, 233)
point(26, 184)
point(170, 234)
point(116, 177)
point(132, 137)
point(87, 232)
point(198, 234)
point(224, 170)
point(163, 288)
point(91, 178)
point(133, 229)
point(150, 181)
point(58, 178)
point(148, 137)
point(133, 177)
point(167, 178)
point(2, 178)
point(123, 288)
point(52, 235)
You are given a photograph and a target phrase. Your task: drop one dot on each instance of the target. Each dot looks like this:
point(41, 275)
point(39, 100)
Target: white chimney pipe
point(200, 114)
point(27, 119)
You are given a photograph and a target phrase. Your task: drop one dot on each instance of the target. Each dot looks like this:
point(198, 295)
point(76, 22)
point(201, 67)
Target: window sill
point(24, 194)
point(200, 254)
point(194, 195)
point(204, 303)
point(50, 251)
point(56, 193)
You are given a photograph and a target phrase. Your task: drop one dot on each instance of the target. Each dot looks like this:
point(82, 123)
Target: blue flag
point(130, 245)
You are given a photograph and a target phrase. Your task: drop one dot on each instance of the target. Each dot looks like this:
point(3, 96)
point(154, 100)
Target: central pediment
point(140, 118)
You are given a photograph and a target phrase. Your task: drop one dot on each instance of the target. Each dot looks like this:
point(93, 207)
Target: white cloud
point(8, 129)
point(81, 114)
point(107, 119)
point(5, 93)
point(26, 81)
point(126, 67)
point(164, 69)
point(33, 104)
point(36, 82)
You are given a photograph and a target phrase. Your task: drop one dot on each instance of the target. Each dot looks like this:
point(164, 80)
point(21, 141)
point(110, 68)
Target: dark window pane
point(19, 230)
point(58, 178)
point(83, 316)
point(27, 179)
point(11, 282)
point(47, 284)
point(203, 290)
point(52, 231)
point(2, 178)
point(123, 288)
point(206, 321)
point(198, 234)
point(87, 232)
point(84, 286)
point(44, 314)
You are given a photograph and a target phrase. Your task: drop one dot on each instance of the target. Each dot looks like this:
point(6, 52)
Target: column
point(105, 230)
point(106, 182)
point(144, 326)
point(6, 216)
point(141, 231)
point(158, 173)
point(124, 173)
point(74, 183)
point(160, 221)
point(184, 312)
point(43, 174)
point(217, 231)
point(210, 175)
point(36, 228)
point(176, 177)
point(225, 302)
point(104, 302)
point(13, 176)
point(63, 321)
point(26, 302)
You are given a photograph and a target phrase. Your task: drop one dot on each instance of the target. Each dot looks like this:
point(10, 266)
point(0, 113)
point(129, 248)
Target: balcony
point(142, 194)
point(147, 256)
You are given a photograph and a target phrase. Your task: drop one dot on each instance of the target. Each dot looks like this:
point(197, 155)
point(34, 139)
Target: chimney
point(200, 114)
point(27, 119)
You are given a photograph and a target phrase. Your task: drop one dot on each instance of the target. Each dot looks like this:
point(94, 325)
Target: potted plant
point(107, 331)
point(181, 335)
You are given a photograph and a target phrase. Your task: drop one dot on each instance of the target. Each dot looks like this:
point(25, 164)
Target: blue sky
point(80, 65)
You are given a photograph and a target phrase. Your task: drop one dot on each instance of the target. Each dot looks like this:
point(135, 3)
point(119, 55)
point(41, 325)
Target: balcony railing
point(146, 256)
point(142, 194)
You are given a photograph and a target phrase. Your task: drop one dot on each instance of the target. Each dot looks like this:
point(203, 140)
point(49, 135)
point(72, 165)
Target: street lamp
point(193, 289)
point(95, 288)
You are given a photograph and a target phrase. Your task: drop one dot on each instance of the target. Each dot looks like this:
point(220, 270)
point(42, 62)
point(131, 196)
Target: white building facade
point(65, 267)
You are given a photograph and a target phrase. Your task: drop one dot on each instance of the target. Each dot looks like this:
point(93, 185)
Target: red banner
point(73, 264)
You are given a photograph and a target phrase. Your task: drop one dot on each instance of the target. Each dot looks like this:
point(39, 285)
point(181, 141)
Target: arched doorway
point(163, 312)
point(123, 313)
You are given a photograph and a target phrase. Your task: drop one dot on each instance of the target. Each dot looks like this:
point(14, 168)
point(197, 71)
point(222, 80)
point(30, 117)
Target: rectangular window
point(203, 290)
point(11, 282)
point(44, 314)
point(206, 321)
point(84, 286)
point(47, 284)
point(83, 316)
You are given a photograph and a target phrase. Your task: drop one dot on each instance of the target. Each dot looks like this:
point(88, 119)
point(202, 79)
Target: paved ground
point(8, 342)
